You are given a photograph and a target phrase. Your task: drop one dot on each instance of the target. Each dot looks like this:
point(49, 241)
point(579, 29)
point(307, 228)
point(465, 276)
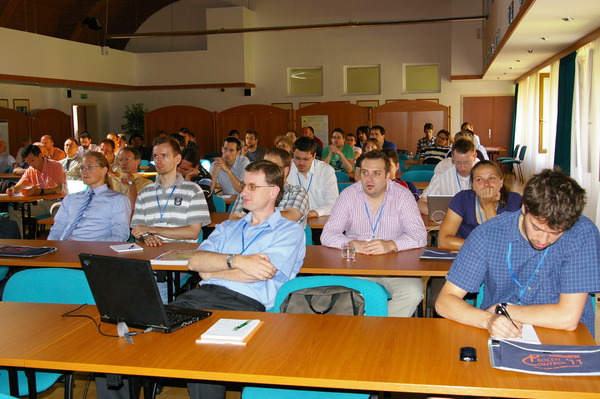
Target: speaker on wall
point(247, 92)
point(68, 93)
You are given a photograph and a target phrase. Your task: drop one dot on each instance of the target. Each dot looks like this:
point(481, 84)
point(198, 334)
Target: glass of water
point(348, 251)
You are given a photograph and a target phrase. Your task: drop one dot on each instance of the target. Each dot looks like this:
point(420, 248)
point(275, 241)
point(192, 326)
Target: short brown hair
point(170, 141)
point(273, 174)
point(101, 161)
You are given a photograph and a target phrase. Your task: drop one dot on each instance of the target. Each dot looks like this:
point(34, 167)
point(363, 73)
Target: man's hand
point(153, 241)
point(245, 150)
point(219, 163)
point(374, 247)
point(257, 266)
point(138, 230)
point(313, 214)
point(10, 191)
point(500, 326)
point(335, 150)
point(191, 175)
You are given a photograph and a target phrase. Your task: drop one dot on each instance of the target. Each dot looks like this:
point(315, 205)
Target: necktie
point(68, 164)
point(79, 216)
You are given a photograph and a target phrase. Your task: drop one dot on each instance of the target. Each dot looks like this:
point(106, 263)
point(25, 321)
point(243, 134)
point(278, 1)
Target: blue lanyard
point(245, 247)
point(374, 228)
point(458, 181)
point(164, 208)
point(309, 181)
point(512, 274)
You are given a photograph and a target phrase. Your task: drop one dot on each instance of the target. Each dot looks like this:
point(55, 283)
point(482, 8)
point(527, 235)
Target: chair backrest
point(219, 203)
point(308, 234)
point(515, 151)
point(522, 153)
point(417, 175)
point(404, 157)
point(342, 176)
point(402, 165)
point(376, 297)
point(412, 168)
point(48, 285)
point(144, 163)
point(205, 164)
point(342, 186)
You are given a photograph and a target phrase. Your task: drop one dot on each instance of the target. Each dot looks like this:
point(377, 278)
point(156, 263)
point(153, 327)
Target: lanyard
point(309, 181)
point(374, 228)
point(244, 246)
point(164, 208)
point(512, 274)
point(458, 181)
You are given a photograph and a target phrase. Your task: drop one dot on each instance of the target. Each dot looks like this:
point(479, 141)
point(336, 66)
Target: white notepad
point(230, 331)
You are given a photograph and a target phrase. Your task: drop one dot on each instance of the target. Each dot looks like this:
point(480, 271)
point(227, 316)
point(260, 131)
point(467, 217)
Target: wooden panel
point(172, 118)
point(53, 122)
point(491, 117)
point(341, 115)
point(268, 121)
point(404, 120)
point(19, 125)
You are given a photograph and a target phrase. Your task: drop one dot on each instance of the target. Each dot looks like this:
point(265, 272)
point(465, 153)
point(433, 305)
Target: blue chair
point(342, 176)
point(404, 157)
point(516, 162)
point(219, 203)
point(513, 155)
point(376, 298)
point(144, 163)
point(421, 167)
point(402, 165)
point(308, 234)
point(417, 175)
point(4, 271)
point(342, 186)
point(46, 285)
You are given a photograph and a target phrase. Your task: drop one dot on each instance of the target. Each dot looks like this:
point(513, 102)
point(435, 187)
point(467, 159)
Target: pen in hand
point(241, 325)
point(501, 310)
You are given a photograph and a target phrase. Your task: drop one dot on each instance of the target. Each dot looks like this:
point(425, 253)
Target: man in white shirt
point(453, 179)
point(229, 169)
point(73, 160)
point(85, 141)
point(316, 177)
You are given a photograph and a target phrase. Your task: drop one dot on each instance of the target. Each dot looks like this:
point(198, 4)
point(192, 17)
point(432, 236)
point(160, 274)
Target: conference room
point(370, 74)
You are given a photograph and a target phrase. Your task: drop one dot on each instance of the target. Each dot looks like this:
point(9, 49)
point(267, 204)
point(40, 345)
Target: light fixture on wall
point(93, 23)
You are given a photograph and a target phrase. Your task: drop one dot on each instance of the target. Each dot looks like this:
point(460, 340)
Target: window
point(421, 78)
point(305, 81)
point(544, 112)
point(362, 79)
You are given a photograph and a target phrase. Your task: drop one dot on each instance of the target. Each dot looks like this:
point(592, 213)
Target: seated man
point(192, 170)
point(44, 176)
point(541, 263)
point(379, 216)
point(378, 133)
point(394, 166)
point(228, 170)
point(309, 131)
point(96, 214)
point(436, 153)
point(130, 182)
point(73, 160)
point(453, 179)
point(316, 177)
point(85, 139)
point(252, 150)
point(51, 151)
point(107, 147)
point(7, 162)
point(427, 141)
point(293, 204)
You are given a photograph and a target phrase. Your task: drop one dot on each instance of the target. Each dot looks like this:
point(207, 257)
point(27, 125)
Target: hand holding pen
point(502, 325)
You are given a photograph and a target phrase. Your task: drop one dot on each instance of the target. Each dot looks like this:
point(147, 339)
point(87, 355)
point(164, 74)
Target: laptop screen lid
point(438, 206)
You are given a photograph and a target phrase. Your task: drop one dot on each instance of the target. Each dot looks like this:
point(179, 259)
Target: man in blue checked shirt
point(539, 264)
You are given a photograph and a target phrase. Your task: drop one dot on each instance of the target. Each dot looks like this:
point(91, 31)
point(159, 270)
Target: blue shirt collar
point(272, 220)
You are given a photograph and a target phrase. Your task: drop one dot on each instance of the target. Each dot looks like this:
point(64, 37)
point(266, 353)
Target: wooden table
point(339, 352)
point(24, 204)
point(220, 217)
point(10, 176)
point(494, 151)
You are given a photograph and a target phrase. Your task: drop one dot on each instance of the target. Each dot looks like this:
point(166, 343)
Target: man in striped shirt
point(379, 216)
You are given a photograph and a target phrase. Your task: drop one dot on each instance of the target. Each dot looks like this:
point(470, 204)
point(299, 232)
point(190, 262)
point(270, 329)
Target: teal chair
point(417, 176)
point(342, 186)
point(46, 285)
point(308, 234)
point(513, 155)
point(342, 176)
point(144, 163)
point(4, 271)
point(376, 298)
point(219, 202)
point(402, 165)
point(421, 167)
point(516, 162)
point(404, 157)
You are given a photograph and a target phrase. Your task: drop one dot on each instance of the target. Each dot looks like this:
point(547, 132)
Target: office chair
point(376, 298)
point(342, 186)
point(342, 177)
point(516, 162)
point(45, 285)
point(513, 155)
point(219, 202)
point(421, 167)
point(308, 234)
point(417, 176)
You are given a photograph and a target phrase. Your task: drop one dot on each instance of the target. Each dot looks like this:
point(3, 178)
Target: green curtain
point(566, 82)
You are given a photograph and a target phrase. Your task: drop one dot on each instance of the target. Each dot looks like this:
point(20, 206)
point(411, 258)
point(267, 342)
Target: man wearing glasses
point(455, 178)
point(228, 170)
point(130, 182)
point(316, 177)
point(433, 155)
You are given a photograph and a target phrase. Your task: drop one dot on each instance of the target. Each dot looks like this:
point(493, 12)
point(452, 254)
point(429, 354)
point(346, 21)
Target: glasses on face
point(251, 186)
point(298, 159)
point(462, 163)
point(128, 159)
point(84, 168)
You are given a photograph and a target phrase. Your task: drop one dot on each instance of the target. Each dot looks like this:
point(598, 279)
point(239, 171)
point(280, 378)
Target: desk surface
point(10, 176)
point(340, 352)
point(318, 259)
point(21, 198)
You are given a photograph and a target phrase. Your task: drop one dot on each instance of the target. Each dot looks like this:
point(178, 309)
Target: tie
point(67, 165)
point(79, 216)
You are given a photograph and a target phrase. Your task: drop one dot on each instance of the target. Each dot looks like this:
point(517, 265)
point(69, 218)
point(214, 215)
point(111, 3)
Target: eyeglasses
point(298, 159)
point(128, 159)
point(463, 163)
point(83, 168)
point(251, 186)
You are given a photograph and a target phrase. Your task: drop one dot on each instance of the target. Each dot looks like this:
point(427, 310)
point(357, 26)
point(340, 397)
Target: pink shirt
point(352, 218)
point(52, 173)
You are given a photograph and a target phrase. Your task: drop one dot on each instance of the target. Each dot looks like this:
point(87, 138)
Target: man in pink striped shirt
point(378, 216)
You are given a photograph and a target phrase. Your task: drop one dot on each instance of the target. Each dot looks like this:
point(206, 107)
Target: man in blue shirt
point(378, 133)
point(540, 263)
point(104, 217)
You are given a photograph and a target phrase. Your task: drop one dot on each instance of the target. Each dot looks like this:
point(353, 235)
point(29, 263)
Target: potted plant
point(134, 115)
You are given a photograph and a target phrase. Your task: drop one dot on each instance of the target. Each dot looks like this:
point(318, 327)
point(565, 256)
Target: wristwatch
point(129, 182)
point(229, 260)
point(143, 236)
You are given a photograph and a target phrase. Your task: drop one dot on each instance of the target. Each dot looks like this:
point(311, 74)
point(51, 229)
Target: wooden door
point(53, 122)
point(492, 119)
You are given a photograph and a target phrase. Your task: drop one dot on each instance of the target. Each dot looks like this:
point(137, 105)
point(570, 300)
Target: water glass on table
point(348, 251)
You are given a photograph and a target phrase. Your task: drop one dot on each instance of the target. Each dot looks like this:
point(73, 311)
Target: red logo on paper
point(549, 361)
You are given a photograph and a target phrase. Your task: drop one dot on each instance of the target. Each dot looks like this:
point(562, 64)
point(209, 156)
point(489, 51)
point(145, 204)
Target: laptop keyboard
point(175, 318)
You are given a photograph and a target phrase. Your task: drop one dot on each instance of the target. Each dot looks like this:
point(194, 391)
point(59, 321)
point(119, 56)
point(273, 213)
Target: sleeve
point(286, 252)
point(61, 219)
point(330, 191)
point(471, 263)
point(197, 211)
point(414, 234)
point(325, 152)
point(348, 151)
point(433, 187)
point(580, 271)
point(121, 213)
point(459, 203)
point(339, 221)
point(298, 199)
point(139, 213)
point(414, 190)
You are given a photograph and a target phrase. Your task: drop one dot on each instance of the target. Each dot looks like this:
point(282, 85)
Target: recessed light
point(518, 60)
point(511, 68)
point(544, 38)
point(530, 51)
point(567, 19)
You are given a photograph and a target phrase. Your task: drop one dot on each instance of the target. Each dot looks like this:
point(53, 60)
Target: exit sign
point(84, 96)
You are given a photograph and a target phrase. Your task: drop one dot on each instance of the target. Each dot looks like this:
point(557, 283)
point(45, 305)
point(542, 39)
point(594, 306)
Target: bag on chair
point(333, 299)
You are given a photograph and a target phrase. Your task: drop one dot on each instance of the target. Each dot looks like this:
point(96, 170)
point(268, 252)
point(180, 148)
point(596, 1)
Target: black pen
point(501, 310)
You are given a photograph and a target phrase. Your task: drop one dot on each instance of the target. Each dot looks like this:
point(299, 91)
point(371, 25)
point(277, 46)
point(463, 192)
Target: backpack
point(332, 299)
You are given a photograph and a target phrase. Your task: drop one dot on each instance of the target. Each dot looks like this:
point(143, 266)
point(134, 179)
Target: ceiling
point(64, 19)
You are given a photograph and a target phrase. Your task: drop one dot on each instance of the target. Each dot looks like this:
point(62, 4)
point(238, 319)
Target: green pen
point(241, 325)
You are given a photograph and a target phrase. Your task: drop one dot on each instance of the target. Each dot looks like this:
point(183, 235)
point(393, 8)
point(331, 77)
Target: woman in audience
point(487, 198)
point(284, 142)
point(371, 144)
point(339, 154)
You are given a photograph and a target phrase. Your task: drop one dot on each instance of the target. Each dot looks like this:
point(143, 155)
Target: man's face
point(351, 141)
point(47, 142)
point(70, 148)
point(164, 159)
point(85, 142)
point(262, 197)
point(250, 140)
point(127, 162)
point(537, 232)
point(303, 160)
point(337, 139)
point(429, 132)
point(229, 152)
point(185, 167)
point(291, 135)
point(441, 140)
point(463, 162)
point(2, 146)
point(107, 150)
point(91, 173)
point(376, 134)
point(277, 161)
point(373, 177)
point(137, 141)
point(35, 162)
point(306, 132)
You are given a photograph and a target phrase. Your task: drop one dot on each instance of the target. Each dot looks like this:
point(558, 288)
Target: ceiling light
point(544, 38)
point(530, 51)
point(511, 68)
point(518, 60)
point(567, 19)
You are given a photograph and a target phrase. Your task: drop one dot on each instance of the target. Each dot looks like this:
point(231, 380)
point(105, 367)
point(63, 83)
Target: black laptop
point(125, 290)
